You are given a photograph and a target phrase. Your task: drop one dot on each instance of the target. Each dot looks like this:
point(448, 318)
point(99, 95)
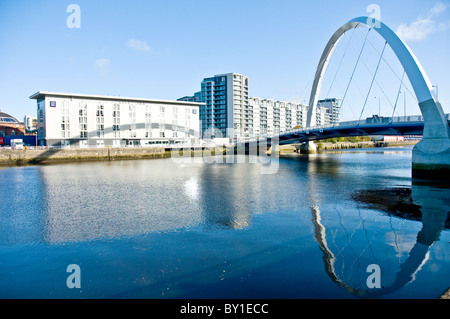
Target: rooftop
point(6, 118)
point(42, 94)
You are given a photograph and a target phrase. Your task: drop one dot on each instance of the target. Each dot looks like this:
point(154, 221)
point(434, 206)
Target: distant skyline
point(164, 49)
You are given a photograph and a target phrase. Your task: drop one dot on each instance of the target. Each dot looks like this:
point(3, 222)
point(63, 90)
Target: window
point(132, 114)
point(82, 120)
point(65, 127)
point(148, 121)
point(187, 120)
point(65, 143)
point(116, 120)
point(83, 144)
point(100, 120)
point(162, 119)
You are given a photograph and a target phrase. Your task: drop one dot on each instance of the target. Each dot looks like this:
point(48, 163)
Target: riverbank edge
point(324, 147)
point(347, 145)
point(48, 156)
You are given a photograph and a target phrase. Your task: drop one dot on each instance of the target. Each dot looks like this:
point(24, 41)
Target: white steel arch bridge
point(431, 156)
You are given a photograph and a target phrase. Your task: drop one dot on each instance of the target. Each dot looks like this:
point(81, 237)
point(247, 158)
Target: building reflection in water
point(82, 202)
point(21, 206)
point(231, 194)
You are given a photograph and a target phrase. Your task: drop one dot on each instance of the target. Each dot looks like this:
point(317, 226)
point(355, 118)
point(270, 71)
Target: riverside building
point(329, 110)
point(226, 106)
point(78, 120)
point(9, 125)
point(229, 111)
point(271, 117)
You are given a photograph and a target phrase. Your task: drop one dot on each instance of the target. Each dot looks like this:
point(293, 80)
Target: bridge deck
point(409, 125)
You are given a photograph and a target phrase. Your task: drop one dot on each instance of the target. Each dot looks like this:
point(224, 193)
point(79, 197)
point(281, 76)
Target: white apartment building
point(272, 117)
point(284, 121)
point(255, 103)
point(333, 108)
point(67, 119)
point(323, 116)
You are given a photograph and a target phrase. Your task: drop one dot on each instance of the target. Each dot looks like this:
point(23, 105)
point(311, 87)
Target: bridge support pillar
point(431, 159)
point(431, 156)
point(308, 148)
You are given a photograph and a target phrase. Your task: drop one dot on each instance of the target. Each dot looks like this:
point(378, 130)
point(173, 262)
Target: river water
point(349, 224)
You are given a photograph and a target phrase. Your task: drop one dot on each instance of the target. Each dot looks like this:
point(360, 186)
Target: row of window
point(100, 120)
point(148, 134)
point(65, 126)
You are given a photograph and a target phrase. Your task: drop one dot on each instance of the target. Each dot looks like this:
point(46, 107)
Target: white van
point(17, 144)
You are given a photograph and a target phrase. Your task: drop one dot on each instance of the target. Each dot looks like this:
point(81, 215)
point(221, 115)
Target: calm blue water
point(160, 229)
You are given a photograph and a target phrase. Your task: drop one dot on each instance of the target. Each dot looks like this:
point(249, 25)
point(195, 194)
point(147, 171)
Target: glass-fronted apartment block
point(66, 119)
point(226, 111)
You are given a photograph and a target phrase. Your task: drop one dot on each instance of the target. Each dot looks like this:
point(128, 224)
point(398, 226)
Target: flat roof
point(41, 94)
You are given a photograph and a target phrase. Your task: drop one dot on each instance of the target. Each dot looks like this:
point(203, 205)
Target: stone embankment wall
point(55, 155)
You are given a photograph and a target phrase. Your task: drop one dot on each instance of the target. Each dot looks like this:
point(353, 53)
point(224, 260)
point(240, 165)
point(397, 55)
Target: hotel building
point(67, 119)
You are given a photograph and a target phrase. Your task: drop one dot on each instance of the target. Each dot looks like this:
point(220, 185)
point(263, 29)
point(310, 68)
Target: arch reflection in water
point(348, 249)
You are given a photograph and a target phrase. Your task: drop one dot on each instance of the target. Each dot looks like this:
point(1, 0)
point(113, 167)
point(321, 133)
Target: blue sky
point(163, 49)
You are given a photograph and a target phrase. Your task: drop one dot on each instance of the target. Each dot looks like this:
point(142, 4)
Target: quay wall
point(31, 156)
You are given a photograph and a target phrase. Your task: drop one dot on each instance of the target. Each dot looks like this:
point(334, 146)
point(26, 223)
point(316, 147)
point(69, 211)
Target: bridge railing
point(375, 120)
point(370, 121)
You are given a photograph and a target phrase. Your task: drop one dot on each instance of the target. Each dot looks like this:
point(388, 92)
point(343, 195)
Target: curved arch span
point(435, 124)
